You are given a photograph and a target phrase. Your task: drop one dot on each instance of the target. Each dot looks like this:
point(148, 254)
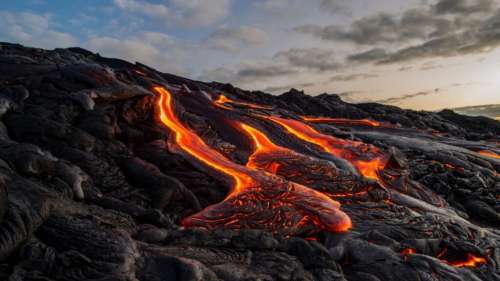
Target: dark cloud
point(368, 56)
point(262, 71)
point(284, 63)
point(311, 58)
point(408, 96)
point(481, 40)
point(383, 28)
point(247, 73)
point(447, 28)
point(334, 6)
point(352, 77)
point(462, 6)
point(473, 36)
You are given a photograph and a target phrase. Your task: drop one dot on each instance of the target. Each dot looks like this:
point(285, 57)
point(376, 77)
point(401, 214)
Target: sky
point(418, 54)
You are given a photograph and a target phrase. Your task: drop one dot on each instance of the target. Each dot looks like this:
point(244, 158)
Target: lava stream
point(257, 199)
point(349, 150)
point(195, 146)
point(472, 261)
point(222, 100)
point(490, 154)
point(318, 174)
point(342, 121)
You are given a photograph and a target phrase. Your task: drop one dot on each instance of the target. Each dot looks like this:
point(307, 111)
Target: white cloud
point(154, 10)
point(202, 12)
point(33, 30)
point(189, 13)
point(151, 48)
point(234, 39)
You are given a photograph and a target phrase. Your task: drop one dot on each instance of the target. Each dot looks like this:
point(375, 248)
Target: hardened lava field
point(115, 171)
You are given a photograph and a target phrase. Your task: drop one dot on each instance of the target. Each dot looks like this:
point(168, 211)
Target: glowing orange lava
point(472, 261)
point(257, 199)
point(408, 251)
point(195, 146)
point(348, 150)
point(489, 154)
point(342, 121)
point(222, 100)
point(300, 168)
point(262, 145)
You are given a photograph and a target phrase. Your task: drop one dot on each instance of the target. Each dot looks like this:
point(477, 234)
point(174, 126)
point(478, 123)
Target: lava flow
point(342, 121)
point(489, 154)
point(318, 174)
point(257, 199)
point(349, 150)
point(222, 100)
point(471, 261)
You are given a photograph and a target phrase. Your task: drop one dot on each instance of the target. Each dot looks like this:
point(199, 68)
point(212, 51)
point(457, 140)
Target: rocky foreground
point(93, 187)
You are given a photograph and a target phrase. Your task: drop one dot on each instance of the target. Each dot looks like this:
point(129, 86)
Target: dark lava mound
point(115, 171)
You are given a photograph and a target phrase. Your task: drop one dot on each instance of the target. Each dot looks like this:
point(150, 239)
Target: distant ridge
point(488, 110)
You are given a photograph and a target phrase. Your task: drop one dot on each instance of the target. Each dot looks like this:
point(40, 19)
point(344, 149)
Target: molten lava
point(366, 158)
point(489, 154)
point(222, 100)
point(342, 121)
point(195, 146)
point(408, 251)
point(472, 261)
point(257, 199)
point(318, 174)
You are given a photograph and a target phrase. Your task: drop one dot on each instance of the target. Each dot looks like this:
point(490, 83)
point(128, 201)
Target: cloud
point(147, 48)
point(368, 56)
point(462, 6)
point(247, 72)
point(188, 13)
point(283, 64)
point(234, 39)
point(382, 28)
point(158, 11)
point(310, 58)
point(482, 40)
point(425, 33)
point(333, 6)
point(195, 13)
point(352, 77)
point(408, 96)
point(33, 30)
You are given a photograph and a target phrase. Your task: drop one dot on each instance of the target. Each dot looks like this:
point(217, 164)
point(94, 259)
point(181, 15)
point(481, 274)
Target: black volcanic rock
point(93, 187)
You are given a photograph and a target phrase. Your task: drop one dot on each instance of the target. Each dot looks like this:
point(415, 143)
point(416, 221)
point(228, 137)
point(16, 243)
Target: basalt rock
point(95, 184)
